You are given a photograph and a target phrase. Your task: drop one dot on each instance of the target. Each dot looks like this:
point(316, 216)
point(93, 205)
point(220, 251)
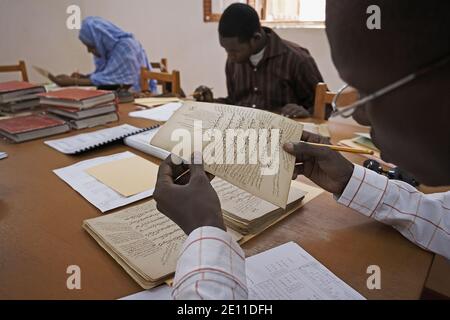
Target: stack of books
point(82, 108)
point(24, 128)
point(18, 97)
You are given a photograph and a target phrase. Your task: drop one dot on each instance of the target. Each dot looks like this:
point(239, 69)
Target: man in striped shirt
point(263, 71)
point(211, 265)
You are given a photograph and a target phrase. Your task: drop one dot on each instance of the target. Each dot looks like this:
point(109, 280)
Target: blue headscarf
point(116, 62)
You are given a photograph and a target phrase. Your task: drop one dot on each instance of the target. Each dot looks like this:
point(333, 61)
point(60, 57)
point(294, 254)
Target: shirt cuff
point(364, 191)
point(210, 250)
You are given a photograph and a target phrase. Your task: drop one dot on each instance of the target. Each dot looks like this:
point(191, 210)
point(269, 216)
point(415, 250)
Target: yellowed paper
point(245, 206)
point(321, 129)
point(144, 238)
point(43, 72)
point(128, 176)
point(311, 193)
point(273, 187)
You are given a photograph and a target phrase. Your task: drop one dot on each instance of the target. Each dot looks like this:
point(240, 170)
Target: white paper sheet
point(141, 142)
point(162, 292)
point(82, 141)
point(98, 194)
point(3, 155)
point(161, 113)
point(286, 272)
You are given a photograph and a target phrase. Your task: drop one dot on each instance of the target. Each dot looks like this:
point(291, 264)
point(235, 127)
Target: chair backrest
point(162, 65)
point(324, 97)
point(16, 68)
point(170, 81)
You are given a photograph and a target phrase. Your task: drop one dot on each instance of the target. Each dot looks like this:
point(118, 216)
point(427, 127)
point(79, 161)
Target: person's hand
point(78, 75)
point(203, 94)
point(61, 80)
point(292, 110)
point(190, 202)
point(325, 167)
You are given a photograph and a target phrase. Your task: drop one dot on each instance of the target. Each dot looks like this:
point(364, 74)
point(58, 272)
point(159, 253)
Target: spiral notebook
point(88, 141)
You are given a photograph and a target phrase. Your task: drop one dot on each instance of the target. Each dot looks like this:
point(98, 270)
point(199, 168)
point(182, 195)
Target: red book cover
point(74, 94)
point(28, 123)
point(12, 86)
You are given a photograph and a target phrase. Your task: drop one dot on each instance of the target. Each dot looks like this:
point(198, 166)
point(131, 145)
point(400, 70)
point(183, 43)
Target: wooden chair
point(170, 81)
point(162, 65)
point(16, 68)
point(324, 97)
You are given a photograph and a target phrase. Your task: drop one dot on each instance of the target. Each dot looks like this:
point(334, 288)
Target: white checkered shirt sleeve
point(211, 266)
point(423, 219)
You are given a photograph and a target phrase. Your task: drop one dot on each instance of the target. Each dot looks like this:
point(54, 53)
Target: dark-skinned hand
point(78, 75)
point(61, 80)
point(190, 202)
point(203, 94)
point(292, 110)
point(325, 167)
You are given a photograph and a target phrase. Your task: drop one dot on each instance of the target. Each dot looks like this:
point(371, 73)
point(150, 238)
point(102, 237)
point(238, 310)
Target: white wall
point(35, 31)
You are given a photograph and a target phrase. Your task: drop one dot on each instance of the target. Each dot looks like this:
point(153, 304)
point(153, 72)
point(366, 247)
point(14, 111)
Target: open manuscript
point(254, 194)
point(147, 244)
point(248, 214)
point(144, 242)
point(240, 145)
point(141, 239)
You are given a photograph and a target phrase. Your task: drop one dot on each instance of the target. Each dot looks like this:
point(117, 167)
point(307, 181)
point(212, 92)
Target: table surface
point(41, 233)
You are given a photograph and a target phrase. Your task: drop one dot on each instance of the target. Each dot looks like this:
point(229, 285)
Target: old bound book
point(19, 105)
point(77, 114)
point(143, 241)
point(248, 214)
point(13, 91)
point(77, 98)
point(146, 243)
point(94, 121)
point(24, 128)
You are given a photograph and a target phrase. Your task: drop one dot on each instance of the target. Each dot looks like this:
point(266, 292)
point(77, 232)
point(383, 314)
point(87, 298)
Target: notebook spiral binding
point(106, 142)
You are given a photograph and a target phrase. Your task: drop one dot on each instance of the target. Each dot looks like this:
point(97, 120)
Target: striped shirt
point(422, 218)
point(212, 265)
point(286, 74)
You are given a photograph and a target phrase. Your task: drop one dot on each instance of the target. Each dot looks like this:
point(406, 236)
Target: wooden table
point(41, 234)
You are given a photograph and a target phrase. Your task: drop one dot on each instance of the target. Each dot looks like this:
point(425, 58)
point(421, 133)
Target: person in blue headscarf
point(118, 57)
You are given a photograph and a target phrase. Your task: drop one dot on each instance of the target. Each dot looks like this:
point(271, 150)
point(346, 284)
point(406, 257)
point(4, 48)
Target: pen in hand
point(181, 175)
point(343, 149)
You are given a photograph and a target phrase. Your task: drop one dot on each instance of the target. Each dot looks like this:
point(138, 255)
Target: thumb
point(303, 151)
point(196, 167)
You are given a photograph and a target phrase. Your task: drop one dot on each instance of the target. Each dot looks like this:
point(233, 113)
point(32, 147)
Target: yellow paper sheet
point(128, 176)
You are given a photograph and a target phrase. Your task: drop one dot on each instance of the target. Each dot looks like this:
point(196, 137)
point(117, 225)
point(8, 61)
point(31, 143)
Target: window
point(278, 13)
